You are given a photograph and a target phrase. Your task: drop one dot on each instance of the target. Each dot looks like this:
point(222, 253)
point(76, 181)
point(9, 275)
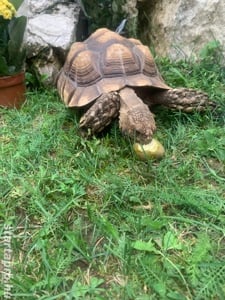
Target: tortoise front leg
point(135, 119)
point(184, 99)
point(100, 114)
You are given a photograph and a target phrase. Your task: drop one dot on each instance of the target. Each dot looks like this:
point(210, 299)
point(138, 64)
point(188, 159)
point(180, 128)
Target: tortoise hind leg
point(183, 99)
point(100, 114)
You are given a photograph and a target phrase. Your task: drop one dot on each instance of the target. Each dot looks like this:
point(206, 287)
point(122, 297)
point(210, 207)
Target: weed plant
point(91, 221)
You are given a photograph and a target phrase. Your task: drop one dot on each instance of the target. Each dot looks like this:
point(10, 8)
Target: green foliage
point(212, 53)
point(144, 246)
point(92, 222)
point(81, 291)
point(110, 13)
point(12, 53)
point(210, 143)
point(16, 51)
point(206, 73)
point(35, 81)
point(212, 281)
point(16, 3)
point(101, 14)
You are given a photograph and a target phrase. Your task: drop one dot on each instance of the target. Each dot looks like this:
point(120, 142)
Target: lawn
point(88, 220)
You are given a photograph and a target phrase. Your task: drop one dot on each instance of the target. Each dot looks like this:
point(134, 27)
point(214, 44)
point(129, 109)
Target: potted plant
point(12, 55)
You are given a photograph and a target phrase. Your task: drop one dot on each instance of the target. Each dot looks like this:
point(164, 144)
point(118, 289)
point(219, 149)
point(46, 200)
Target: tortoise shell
point(105, 62)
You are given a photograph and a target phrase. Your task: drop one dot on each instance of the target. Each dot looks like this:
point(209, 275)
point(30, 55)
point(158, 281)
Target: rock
point(51, 29)
point(180, 28)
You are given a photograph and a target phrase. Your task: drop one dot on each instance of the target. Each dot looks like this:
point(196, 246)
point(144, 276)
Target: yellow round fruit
point(153, 150)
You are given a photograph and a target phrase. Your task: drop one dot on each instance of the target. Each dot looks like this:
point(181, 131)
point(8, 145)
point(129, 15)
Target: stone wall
point(180, 28)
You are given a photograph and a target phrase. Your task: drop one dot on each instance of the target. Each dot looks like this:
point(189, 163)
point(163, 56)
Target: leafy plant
point(82, 291)
point(12, 28)
point(110, 13)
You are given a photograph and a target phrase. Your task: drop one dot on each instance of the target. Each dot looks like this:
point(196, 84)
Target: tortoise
point(109, 75)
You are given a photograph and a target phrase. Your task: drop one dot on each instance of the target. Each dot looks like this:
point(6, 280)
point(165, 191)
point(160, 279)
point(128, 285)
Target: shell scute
point(84, 70)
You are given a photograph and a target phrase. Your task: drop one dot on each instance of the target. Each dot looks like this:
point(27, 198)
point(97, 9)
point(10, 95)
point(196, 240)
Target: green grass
point(91, 221)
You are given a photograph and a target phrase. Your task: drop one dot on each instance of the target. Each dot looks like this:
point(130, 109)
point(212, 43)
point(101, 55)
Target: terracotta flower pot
point(12, 90)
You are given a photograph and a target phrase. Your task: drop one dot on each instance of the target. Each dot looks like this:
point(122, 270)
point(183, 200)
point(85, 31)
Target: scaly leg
point(100, 114)
point(184, 99)
point(136, 120)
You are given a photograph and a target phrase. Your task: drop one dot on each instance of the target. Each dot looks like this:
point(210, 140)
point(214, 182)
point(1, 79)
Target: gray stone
point(180, 28)
point(43, 31)
point(51, 29)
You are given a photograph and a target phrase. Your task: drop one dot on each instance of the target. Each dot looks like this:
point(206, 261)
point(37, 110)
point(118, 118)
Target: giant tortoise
point(109, 75)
